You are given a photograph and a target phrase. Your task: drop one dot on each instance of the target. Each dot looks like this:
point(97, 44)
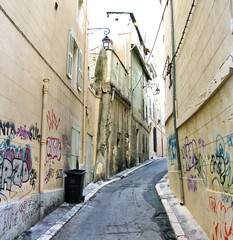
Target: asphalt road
point(128, 209)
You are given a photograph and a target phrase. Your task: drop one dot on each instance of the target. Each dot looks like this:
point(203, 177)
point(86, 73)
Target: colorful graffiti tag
point(195, 156)
point(52, 120)
point(223, 221)
point(172, 149)
point(15, 164)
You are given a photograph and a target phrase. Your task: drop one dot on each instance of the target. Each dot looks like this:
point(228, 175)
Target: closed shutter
point(70, 53)
point(80, 70)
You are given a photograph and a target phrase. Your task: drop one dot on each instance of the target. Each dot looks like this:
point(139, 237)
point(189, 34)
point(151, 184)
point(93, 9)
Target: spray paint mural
point(223, 219)
point(213, 168)
point(210, 165)
point(17, 175)
point(53, 148)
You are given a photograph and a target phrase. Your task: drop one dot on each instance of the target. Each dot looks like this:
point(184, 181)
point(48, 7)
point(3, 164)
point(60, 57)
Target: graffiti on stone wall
point(223, 220)
point(220, 165)
point(52, 120)
point(32, 134)
point(189, 154)
point(65, 145)
point(53, 173)
point(172, 149)
point(16, 160)
point(15, 164)
point(7, 128)
point(192, 183)
point(228, 199)
point(195, 156)
point(13, 216)
point(53, 147)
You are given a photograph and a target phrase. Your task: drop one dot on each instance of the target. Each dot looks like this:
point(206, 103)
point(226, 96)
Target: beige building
point(43, 111)
point(117, 76)
point(199, 107)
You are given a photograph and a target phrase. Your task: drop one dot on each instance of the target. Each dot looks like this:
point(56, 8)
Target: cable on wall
point(156, 37)
point(181, 39)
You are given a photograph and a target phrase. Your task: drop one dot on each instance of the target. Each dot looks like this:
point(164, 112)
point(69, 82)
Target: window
point(74, 61)
point(143, 143)
point(150, 107)
point(144, 109)
point(75, 147)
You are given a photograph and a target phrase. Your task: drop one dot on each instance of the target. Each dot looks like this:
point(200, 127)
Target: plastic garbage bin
point(74, 186)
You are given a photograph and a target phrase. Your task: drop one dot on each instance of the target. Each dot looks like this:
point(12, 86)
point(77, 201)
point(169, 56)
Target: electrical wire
point(156, 37)
point(181, 39)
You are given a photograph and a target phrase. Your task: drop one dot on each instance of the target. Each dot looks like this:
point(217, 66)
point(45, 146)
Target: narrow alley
point(127, 209)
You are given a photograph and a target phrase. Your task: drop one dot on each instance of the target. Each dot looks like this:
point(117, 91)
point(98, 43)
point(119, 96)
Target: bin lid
point(76, 172)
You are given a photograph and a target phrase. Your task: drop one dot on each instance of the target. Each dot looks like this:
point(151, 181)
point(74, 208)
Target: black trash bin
point(74, 186)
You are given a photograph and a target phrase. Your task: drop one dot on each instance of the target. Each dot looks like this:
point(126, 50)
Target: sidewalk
point(182, 221)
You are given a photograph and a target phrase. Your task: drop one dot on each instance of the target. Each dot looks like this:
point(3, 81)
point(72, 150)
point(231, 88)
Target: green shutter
point(70, 53)
point(80, 70)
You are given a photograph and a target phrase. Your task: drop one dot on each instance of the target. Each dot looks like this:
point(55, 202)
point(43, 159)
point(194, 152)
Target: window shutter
point(143, 108)
point(70, 52)
point(80, 70)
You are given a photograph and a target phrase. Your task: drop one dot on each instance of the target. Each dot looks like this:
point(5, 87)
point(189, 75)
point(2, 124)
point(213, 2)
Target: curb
point(51, 232)
point(172, 217)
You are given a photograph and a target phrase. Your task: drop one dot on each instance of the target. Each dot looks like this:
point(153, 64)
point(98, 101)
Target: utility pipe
point(180, 174)
point(45, 93)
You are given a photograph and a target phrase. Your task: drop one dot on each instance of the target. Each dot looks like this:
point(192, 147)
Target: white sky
point(147, 14)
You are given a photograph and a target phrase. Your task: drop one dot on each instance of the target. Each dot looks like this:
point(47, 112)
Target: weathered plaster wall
point(112, 80)
point(204, 107)
point(33, 46)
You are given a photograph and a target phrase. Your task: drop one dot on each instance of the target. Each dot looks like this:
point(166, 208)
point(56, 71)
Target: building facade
point(43, 113)
point(199, 123)
point(117, 78)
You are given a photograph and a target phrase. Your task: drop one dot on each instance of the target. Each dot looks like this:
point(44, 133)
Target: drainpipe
point(180, 174)
point(45, 93)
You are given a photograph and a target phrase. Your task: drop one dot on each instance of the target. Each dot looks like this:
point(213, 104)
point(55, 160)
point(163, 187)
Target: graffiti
point(172, 149)
point(192, 183)
point(230, 140)
point(34, 133)
point(227, 199)
point(52, 120)
point(49, 175)
point(59, 173)
point(14, 216)
point(223, 222)
point(33, 178)
point(7, 128)
point(9, 151)
point(3, 201)
point(201, 166)
point(65, 142)
point(23, 133)
point(220, 165)
point(15, 164)
point(189, 154)
point(16, 172)
point(53, 146)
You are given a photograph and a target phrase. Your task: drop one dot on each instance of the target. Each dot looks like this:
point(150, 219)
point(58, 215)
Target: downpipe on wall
point(180, 174)
point(45, 93)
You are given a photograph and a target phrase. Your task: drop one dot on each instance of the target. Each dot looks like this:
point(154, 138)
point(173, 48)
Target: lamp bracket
point(106, 32)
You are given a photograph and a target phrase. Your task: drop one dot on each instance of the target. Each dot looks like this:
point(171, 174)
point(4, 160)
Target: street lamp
point(157, 90)
point(150, 85)
point(106, 40)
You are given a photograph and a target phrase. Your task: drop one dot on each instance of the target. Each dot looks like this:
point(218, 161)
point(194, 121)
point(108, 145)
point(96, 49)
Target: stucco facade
point(201, 79)
point(42, 111)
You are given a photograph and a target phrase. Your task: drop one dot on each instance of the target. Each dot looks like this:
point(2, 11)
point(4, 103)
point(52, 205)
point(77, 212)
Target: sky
point(147, 14)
